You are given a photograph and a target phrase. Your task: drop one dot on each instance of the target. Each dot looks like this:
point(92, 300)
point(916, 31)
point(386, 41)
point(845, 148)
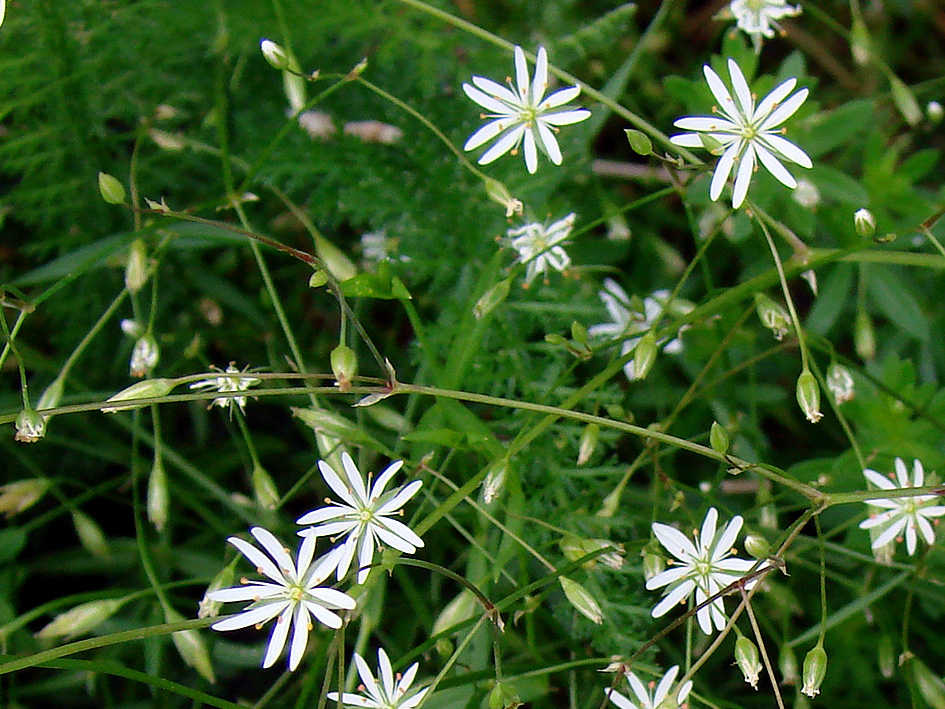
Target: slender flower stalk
point(521, 114)
point(293, 596)
point(365, 518)
point(745, 134)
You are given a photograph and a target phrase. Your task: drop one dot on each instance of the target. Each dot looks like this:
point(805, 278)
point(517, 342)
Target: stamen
point(244, 580)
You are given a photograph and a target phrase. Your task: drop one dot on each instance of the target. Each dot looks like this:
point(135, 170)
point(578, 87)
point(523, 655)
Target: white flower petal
point(521, 74)
point(742, 92)
point(487, 133)
point(540, 83)
point(787, 149)
point(667, 577)
point(671, 599)
point(687, 140)
point(784, 111)
point(487, 99)
point(401, 498)
point(260, 561)
point(531, 152)
point(386, 672)
point(299, 636)
point(323, 514)
point(355, 479)
point(745, 170)
point(503, 145)
point(566, 118)
point(280, 632)
point(927, 531)
point(880, 481)
point(706, 124)
point(381, 483)
point(727, 539)
point(775, 167)
point(718, 89)
point(675, 542)
point(639, 689)
point(397, 535)
point(890, 533)
point(335, 482)
point(549, 142)
point(723, 169)
point(559, 98)
point(662, 689)
point(620, 701)
point(251, 617)
point(707, 534)
point(365, 556)
point(770, 102)
point(497, 90)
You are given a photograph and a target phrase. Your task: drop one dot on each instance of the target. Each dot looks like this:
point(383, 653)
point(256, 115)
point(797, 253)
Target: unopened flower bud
point(264, 488)
point(887, 657)
point(111, 189)
point(905, 101)
point(773, 316)
point(653, 564)
point(929, 684)
point(208, 608)
point(610, 554)
point(757, 546)
point(51, 397)
point(864, 337)
point(30, 426)
point(457, 611)
point(582, 600)
point(588, 443)
point(20, 495)
point(90, 534)
point(136, 270)
point(144, 356)
point(644, 356)
point(344, 365)
point(860, 42)
point(503, 696)
point(274, 54)
point(808, 396)
point(815, 668)
point(718, 438)
point(787, 663)
point(935, 112)
point(148, 389)
point(158, 496)
point(492, 299)
point(81, 619)
point(840, 383)
point(746, 656)
point(864, 222)
point(191, 646)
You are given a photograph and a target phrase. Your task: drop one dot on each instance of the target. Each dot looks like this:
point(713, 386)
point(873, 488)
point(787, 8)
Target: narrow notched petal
point(346, 555)
point(722, 170)
point(686, 140)
point(306, 554)
point(618, 700)
point(683, 692)
point(531, 151)
point(324, 616)
point(890, 533)
point(503, 145)
point(365, 556)
point(706, 124)
point(488, 132)
point(784, 111)
point(721, 94)
point(398, 535)
point(667, 577)
point(367, 677)
point(521, 74)
point(540, 83)
point(742, 92)
point(275, 549)
point(337, 484)
point(355, 481)
point(254, 616)
point(910, 539)
point(415, 700)
point(928, 533)
point(299, 636)
point(386, 672)
point(559, 98)
point(323, 514)
point(639, 689)
point(724, 545)
point(549, 142)
point(277, 640)
point(707, 535)
point(743, 178)
point(407, 678)
point(770, 102)
point(333, 599)
point(384, 478)
point(258, 559)
point(774, 166)
point(738, 566)
point(879, 480)
point(662, 689)
point(401, 498)
point(497, 90)
point(566, 118)
point(675, 542)
point(918, 473)
point(249, 592)
point(787, 149)
point(671, 599)
point(487, 101)
point(902, 473)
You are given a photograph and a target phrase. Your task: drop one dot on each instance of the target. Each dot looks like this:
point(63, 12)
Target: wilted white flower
point(520, 113)
point(293, 597)
point(840, 383)
point(658, 698)
point(806, 194)
point(144, 356)
point(226, 383)
point(539, 247)
point(704, 568)
point(745, 134)
point(366, 519)
point(759, 18)
point(374, 132)
point(627, 319)
point(376, 246)
point(902, 513)
point(391, 692)
point(317, 124)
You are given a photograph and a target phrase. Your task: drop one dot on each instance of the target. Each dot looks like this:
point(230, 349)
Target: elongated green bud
point(20, 495)
point(582, 600)
point(718, 438)
point(808, 396)
point(81, 619)
point(864, 337)
point(344, 365)
point(588, 443)
point(772, 315)
point(492, 299)
point(90, 534)
point(148, 389)
point(136, 269)
point(815, 669)
point(644, 356)
point(158, 497)
point(747, 658)
point(264, 488)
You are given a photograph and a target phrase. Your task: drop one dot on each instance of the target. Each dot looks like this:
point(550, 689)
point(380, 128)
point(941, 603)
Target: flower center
point(296, 593)
point(365, 515)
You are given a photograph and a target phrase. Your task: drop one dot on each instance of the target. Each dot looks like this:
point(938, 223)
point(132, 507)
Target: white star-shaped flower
point(227, 383)
point(902, 513)
point(627, 319)
point(704, 567)
point(745, 133)
point(293, 597)
point(521, 113)
point(539, 248)
point(760, 17)
point(649, 698)
point(366, 519)
point(392, 692)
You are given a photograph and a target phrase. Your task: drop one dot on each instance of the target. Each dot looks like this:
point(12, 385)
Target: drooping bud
point(148, 389)
point(81, 619)
point(773, 316)
point(588, 443)
point(718, 438)
point(20, 495)
point(274, 55)
point(344, 365)
point(191, 646)
point(136, 269)
point(808, 396)
point(492, 299)
point(840, 383)
point(90, 534)
point(144, 356)
point(887, 657)
point(864, 222)
point(653, 564)
point(499, 193)
point(747, 658)
point(864, 337)
point(757, 546)
point(859, 41)
point(787, 663)
point(158, 497)
point(111, 189)
point(905, 101)
point(644, 356)
point(929, 684)
point(208, 608)
point(264, 488)
point(30, 426)
point(582, 600)
point(815, 669)
point(611, 554)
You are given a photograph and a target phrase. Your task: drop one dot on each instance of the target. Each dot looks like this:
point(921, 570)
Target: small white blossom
point(806, 194)
point(539, 247)
point(144, 356)
point(521, 114)
point(704, 568)
point(840, 383)
point(902, 514)
point(650, 698)
point(293, 599)
point(227, 383)
point(391, 692)
point(376, 246)
point(366, 519)
point(759, 18)
point(625, 319)
point(747, 134)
